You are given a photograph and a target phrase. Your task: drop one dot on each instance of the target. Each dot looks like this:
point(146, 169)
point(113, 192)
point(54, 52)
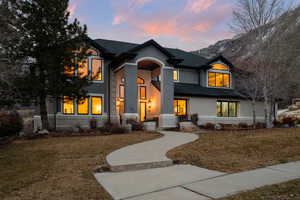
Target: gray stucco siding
point(152, 52)
point(188, 76)
point(131, 93)
point(167, 92)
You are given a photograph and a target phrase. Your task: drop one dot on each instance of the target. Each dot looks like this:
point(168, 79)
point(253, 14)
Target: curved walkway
point(153, 151)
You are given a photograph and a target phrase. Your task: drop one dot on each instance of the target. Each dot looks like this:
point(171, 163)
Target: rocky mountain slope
point(244, 46)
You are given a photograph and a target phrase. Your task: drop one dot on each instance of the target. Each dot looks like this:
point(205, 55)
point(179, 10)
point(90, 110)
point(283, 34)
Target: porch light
point(149, 104)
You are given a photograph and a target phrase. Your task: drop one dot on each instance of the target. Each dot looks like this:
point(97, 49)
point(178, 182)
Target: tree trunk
point(267, 105)
point(254, 113)
point(43, 112)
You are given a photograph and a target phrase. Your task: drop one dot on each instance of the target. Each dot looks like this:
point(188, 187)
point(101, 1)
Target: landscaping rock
point(218, 127)
point(285, 126)
point(297, 126)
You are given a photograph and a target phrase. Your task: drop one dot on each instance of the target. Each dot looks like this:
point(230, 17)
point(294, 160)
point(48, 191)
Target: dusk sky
point(184, 24)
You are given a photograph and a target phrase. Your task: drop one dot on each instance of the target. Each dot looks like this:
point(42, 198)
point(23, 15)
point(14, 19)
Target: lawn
point(58, 168)
point(235, 151)
point(284, 191)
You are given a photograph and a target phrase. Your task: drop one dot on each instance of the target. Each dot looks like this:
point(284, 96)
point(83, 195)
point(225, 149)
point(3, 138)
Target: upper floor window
point(219, 76)
point(91, 67)
point(175, 75)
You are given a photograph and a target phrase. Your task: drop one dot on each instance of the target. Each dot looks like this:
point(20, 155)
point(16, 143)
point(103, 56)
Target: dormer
point(219, 76)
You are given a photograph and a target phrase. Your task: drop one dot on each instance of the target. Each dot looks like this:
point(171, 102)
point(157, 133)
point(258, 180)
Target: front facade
point(149, 82)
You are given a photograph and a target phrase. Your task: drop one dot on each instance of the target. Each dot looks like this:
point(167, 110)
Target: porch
point(144, 90)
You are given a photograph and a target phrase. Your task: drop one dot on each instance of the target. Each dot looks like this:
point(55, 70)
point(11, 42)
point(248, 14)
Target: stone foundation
point(167, 121)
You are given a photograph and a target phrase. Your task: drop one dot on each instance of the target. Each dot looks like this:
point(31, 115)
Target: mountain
point(244, 46)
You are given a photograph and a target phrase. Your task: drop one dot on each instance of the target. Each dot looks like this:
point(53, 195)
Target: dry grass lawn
point(241, 150)
point(284, 191)
point(58, 168)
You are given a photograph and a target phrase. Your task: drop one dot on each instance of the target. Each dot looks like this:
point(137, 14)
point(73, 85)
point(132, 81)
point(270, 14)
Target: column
point(167, 118)
point(131, 93)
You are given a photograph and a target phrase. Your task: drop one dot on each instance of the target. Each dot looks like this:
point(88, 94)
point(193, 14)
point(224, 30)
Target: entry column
point(167, 118)
point(131, 93)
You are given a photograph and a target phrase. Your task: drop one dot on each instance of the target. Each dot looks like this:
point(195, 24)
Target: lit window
point(180, 107)
point(227, 109)
point(175, 75)
point(96, 69)
point(68, 105)
point(69, 71)
point(220, 67)
point(83, 107)
point(83, 69)
point(140, 81)
point(216, 79)
point(92, 52)
point(143, 95)
point(96, 105)
point(121, 92)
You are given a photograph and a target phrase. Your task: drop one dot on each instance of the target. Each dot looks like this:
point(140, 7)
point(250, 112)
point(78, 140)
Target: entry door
point(143, 110)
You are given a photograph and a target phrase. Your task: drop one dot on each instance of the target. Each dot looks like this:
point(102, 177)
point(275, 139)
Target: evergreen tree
point(48, 45)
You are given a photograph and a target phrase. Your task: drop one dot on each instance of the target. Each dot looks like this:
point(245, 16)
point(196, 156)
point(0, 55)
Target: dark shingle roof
point(184, 89)
point(118, 47)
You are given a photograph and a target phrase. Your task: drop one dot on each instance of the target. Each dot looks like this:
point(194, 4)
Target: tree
point(261, 18)
point(248, 86)
point(50, 45)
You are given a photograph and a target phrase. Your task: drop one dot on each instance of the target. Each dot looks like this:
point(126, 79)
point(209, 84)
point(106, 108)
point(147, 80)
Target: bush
point(118, 130)
point(243, 125)
point(289, 121)
point(194, 119)
point(277, 124)
point(183, 118)
point(260, 125)
point(11, 124)
point(209, 125)
point(136, 126)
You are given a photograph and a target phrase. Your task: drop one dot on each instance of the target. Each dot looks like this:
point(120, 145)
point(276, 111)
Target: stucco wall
point(206, 108)
point(188, 76)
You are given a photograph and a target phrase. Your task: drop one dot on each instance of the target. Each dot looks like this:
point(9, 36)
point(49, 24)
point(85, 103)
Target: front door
point(143, 110)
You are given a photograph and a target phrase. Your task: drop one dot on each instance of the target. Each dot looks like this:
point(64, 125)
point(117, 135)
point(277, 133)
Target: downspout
point(109, 100)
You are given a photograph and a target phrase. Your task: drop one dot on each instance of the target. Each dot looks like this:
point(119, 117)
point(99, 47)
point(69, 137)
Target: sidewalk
point(181, 182)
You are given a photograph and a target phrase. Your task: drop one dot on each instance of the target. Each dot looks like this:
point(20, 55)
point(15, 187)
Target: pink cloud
point(195, 21)
point(197, 6)
point(72, 8)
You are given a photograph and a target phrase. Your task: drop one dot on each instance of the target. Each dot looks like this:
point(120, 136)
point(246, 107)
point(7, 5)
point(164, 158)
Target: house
point(148, 81)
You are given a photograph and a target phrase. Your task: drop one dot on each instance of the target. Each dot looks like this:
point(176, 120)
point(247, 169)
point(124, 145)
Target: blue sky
point(184, 24)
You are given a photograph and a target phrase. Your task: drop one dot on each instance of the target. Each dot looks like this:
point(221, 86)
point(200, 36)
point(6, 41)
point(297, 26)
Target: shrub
point(194, 119)
point(118, 130)
point(243, 125)
point(289, 121)
point(183, 118)
point(260, 125)
point(136, 126)
point(209, 126)
point(277, 124)
point(11, 124)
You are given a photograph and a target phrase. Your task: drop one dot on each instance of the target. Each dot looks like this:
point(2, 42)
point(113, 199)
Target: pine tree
point(47, 45)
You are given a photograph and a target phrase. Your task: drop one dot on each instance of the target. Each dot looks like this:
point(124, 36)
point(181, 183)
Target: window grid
point(227, 108)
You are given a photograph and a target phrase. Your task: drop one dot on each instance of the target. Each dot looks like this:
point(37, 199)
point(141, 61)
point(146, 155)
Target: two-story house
point(146, 81)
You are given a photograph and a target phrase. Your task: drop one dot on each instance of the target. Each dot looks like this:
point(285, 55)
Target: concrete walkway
point(153, 151)
point(181, 182)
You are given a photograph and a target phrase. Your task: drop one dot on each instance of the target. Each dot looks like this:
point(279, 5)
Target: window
point(121, 92)
point(219, 76)
point(143, 94)
point(83, 70)
point(180, 107)
point(96, 105)
point(227, 109)
point(69, 71)
point(96, 69)
point(140, 81)
point(176, 75)
point(68, 105)
point(83, 106)
point(216, 79)
point(220, 67)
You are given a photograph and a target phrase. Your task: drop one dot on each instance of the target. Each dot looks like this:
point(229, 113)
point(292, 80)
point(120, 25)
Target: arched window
point(219, 76)
point(138, 80)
